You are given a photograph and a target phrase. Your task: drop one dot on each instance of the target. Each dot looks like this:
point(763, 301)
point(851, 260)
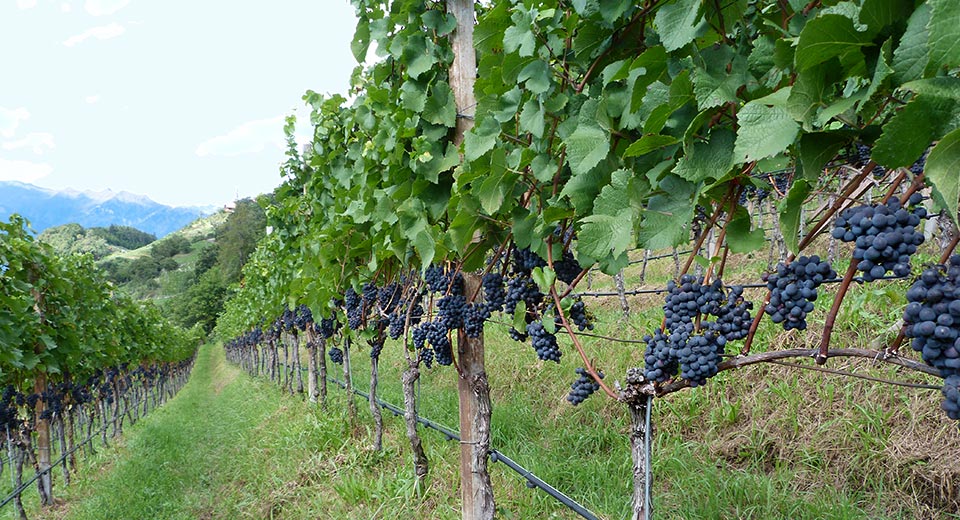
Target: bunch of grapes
point(885, 235)
point(580, 317)
point(932, 316)
point(397, 320)
point(419, 336)
point(473, 318)
point(543, 342)
point(690, 298)
point(376, 347)
point(583, 387)
point(438, 339)
point(336, 355)
point(733, 317)
point(567, 268)
point(522, 289)
point(326, 327)
point(436, 279)
point(370, 292)
point(354, 309)
point(659, 364)
point(426, 357)
point(304, 316)
point(389, 297)
point(525, 260)
point(699, 355)
point(793, 289)
point(493, 291)
point(450, 311)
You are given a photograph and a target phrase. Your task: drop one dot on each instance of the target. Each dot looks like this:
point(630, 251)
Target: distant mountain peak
point(46, 208)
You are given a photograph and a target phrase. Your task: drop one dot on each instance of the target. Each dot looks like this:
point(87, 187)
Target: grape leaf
point(790, 213)
point(825, 37)
point(816, 149)
point(586, 146)
point(677, 23)
point(711, 159)
point(648, 143)
point(943, 171)
point(739, 235)
point(944, 42)
point(766, 128)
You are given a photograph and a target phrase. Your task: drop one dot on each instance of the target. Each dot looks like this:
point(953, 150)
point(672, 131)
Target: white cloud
point(26, 4)
point(36, 141)
point(92, 99)
point(65, 7)
point(104, 7)
point(23, 171)
point(250, 137)
point(103, 32)
point(10, 120)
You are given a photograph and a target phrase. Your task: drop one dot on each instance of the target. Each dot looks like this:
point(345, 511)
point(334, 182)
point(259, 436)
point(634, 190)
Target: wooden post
point(475, 410)
point(476, 490)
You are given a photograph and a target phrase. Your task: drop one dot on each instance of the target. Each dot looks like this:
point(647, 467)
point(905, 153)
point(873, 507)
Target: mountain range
point(46, 208)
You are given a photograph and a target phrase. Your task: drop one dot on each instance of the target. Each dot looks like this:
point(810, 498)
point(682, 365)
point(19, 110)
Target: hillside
point(46, 208)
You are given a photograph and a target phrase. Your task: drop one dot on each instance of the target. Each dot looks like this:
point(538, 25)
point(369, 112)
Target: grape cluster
point(336, 355)
point(917, 167)
point(885, 235)
point(389, 297)
point(304, 316)
point(440, 280)
point(932, 316)
point(326, 327)
point(437, 337)
point(473, 318)
point(397, 322)
point(660, 365)
point(450, 311)
point(419, 336)
point(522, 289)
point(793, 289)
point(567, 268)
point(583, 387)
point(932, 319)
point(525, 260)
point(690, 298)
point(689, 342)
point(699, 355)
point(543, 342)
point(354, 309)
point(426, 357)
point(578, 313)
point(733, 317)
point(369, 291)
point(493, 291)
point(376, 347)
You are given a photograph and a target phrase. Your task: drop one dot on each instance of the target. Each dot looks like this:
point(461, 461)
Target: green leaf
point(440, 108)
point(537, 76)
point(716, 83)
point(413, 95)
point(825, 37)
point(711, 159)
point(739, 235)
point(943, 171)
point(649, 143)
point(586, 146)
point(667, 218)
point(609, 231)
point(532, 118)
point(418, 55)
point(932, 113)
point(877, 14)
point(912, 55)
point(481, 139)
point(790, 213)
point(677, 23)
point(944, 42)
point(813, 89)
point(361, 41)
point(544, 277)
point(816, 150)
point(520, 37)
point(497, 184)
point(765, 129)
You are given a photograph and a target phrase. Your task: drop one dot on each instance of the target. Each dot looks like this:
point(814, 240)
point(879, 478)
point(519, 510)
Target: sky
point(181, 101)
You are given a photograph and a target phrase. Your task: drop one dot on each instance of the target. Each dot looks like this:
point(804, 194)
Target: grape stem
point(566, 324)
